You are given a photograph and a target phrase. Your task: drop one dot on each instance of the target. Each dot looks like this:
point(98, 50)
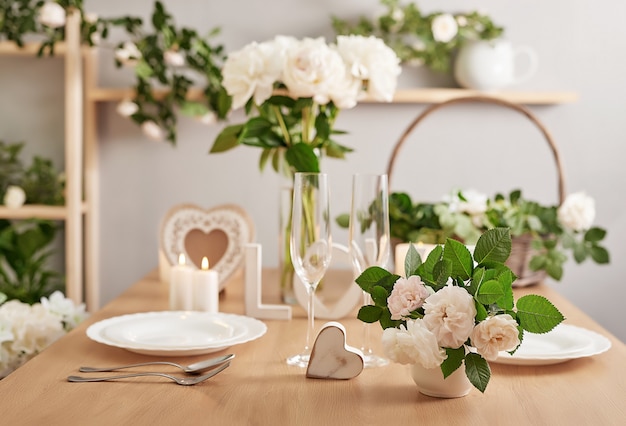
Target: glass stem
point(311, 317)
point(366, 349)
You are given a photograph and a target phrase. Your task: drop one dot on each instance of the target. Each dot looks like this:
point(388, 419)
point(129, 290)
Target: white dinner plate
point(173, 333)
point(562, 344)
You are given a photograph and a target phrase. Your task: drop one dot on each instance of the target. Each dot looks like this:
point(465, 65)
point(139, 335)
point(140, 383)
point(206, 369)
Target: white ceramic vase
point(430, 382)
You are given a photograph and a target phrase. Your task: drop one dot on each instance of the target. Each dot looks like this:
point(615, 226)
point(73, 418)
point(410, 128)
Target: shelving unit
point(78, 209)
point(402, 96)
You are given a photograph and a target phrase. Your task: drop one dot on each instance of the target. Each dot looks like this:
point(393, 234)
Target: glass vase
point(285, 266)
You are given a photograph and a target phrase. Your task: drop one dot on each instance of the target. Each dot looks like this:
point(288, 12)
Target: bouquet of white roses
point(293, 90)
point(26, 330)
point(455, 308)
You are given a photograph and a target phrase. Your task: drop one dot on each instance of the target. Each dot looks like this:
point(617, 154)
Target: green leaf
point(386, 321)
point(412, 261)
point(302, 157)
point(594, 235)
point(193, 109)
point(599, 254)
point(481, 312)
point(379, 295)
point(256, 127)
point(343, 220)
point(371, 277)
point(537, 314)
point(493, 246)
point(227, 139)
point(453, 361)
point(580, 252)
point(441, 272)
point(370, 313)
point(460, 259)
point(477, 371)
point(489, 292)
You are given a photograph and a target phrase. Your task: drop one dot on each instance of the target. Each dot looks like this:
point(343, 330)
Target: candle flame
point(181, 259)
point(205, 263)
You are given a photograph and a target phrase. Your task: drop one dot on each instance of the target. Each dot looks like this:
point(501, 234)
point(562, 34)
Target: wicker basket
point(521, 251)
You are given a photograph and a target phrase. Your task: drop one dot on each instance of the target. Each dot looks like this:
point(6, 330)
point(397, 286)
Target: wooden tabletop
point(260, 389)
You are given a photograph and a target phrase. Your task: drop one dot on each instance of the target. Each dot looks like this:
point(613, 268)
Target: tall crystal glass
point(369, 239)
point(311, 244)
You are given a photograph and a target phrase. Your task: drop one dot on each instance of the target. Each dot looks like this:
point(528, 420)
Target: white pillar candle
point(181, 277)
point(206, 288)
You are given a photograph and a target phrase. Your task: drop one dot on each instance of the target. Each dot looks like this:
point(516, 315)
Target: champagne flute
point(310, 244)
point(369, 238)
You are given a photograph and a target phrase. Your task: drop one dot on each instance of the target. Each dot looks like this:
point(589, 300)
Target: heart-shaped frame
point(219, 233)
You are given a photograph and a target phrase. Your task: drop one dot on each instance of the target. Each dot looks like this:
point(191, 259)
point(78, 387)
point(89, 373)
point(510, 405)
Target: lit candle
point(181, 277)
point(206, 288)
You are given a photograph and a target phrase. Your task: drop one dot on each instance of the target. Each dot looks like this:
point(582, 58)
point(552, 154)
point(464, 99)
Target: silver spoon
point(185, 381)
point(192, 368)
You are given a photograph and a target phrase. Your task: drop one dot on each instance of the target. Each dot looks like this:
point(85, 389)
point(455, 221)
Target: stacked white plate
point(176, 333)
point(563, 343)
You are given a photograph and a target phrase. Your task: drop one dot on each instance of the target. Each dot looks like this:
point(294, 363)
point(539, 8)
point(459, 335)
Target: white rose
point(252, 71)
point(173, 58)
point(152, 130)
point(15, 197)
point(127, 108)
point(69, 314)
point(474, 202)
point(91, 17)
point(370, 60)
point(444, 28)
point(52, 15)
point(498, 333)
point(313, 69)
point(128, 54)
point(449, 314)
point(413, 344)
point(577, 212)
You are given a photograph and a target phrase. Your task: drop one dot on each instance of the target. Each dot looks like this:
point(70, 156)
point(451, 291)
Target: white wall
point(580, 47)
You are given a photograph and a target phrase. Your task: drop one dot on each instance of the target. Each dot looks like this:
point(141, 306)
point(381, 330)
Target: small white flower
point(474, 202)
point(15, 197)
point(91, 17)
point(450, 314)
point(461, 20)
point(51, 15)
point(128, 54)
point(95, 38)
point(127, 108)
point(577, 212)
point(495, 334)
point(418, 45)
point(444, 28)
point(152, 130)
point(209, 118)
point(173, 58)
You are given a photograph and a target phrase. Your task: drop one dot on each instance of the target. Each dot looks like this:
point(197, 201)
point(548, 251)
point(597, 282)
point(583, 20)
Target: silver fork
point(185, 381)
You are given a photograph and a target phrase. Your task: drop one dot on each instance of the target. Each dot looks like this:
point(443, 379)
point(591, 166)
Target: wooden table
point(260, 389)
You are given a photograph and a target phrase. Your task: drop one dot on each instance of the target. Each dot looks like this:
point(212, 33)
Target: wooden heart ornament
point(219, 233)
point(331, 357)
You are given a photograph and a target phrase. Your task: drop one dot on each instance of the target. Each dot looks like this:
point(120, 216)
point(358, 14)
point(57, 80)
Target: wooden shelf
point(402, 96)
point(37, 211)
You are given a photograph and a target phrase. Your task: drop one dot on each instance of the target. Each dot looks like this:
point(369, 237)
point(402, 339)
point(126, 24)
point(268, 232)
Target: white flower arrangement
point(293, 89)
point(455, 308)
point(26, 330)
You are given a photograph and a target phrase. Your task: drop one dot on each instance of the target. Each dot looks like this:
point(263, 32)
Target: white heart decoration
point(218, 233)
point(352, 296)
point(331, 357)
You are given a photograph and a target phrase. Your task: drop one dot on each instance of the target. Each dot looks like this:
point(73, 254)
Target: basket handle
point(489, 100)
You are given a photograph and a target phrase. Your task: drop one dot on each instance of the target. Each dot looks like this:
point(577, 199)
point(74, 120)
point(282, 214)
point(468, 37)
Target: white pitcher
point(491, 65)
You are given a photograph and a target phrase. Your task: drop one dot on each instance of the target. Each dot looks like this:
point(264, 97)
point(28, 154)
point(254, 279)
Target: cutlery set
point(215, 365)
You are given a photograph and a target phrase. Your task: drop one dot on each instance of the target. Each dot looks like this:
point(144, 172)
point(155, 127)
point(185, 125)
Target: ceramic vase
point(430, 382)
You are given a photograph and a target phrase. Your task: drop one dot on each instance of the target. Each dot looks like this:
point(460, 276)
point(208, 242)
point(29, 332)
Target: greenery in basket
point(422, 39)
point(24, 244)
point(454, 308)
point(167, 58)
point(555, 230)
